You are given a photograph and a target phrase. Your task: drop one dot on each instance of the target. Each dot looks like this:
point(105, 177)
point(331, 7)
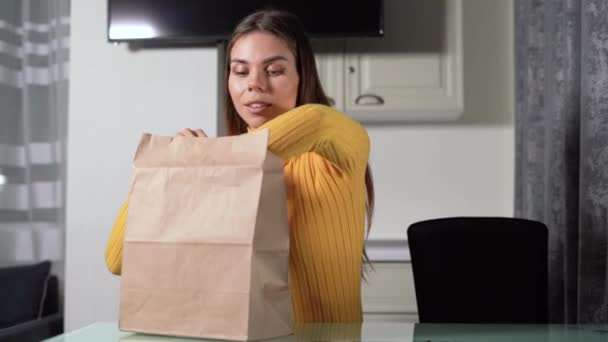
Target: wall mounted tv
point(206, 21)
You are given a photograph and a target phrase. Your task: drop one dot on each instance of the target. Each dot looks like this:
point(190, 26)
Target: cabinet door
point(414, 72)
point(329, 57)
point(389, 293)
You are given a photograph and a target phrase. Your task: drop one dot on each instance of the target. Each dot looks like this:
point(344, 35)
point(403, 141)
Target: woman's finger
point(186, 132)
point(199, 133)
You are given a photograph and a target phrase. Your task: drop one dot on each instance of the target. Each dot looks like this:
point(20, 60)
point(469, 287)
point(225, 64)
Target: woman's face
point(263, 80)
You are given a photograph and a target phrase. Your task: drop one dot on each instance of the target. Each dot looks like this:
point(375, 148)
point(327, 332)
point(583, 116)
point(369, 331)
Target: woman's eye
point(275, 72)
point(239, 73)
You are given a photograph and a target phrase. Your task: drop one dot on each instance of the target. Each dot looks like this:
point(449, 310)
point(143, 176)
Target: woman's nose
point(256, 81)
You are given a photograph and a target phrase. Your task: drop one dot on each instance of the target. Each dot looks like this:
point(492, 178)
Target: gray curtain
point(34, 55)
point(561, 162)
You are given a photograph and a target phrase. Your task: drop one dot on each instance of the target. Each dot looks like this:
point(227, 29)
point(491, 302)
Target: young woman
point(272, 82)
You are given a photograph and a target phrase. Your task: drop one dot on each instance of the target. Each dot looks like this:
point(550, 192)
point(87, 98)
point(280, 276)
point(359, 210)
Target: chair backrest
point(480, 270)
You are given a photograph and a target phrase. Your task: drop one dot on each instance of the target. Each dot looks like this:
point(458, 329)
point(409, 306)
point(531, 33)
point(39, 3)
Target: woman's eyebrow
point(237, 60)
point(274, 58)
point(265, 61)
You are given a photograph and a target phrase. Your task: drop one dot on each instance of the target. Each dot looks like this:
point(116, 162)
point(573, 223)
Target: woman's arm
point(114, 247)
point(309, 128)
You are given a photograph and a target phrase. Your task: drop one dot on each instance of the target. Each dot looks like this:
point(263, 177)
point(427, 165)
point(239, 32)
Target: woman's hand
point(195, 133)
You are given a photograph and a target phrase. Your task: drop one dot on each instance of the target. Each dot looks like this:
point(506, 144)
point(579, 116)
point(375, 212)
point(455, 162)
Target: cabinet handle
point(377, 100)
point(331, 101)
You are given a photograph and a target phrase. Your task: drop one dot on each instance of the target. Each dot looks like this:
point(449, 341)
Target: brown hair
point(287, 27)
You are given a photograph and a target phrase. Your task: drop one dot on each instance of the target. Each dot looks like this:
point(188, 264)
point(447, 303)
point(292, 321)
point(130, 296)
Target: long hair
point(287, 27)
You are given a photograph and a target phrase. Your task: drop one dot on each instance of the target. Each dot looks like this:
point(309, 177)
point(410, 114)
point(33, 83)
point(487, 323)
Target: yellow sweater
point(325, 154)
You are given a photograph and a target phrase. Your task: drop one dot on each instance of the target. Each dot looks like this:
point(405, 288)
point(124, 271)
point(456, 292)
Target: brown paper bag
point(206, 245)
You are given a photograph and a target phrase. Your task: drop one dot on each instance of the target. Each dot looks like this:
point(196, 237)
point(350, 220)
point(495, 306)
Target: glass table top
point(376, 332)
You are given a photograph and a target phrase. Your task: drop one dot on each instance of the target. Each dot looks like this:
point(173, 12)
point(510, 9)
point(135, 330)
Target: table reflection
point(405, 332)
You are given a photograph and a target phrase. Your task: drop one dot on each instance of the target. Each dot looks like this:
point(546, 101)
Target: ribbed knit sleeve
point(114, 246)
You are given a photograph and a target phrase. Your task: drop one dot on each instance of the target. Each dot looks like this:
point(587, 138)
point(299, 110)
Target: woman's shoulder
point(342, 132)
point(342, 126)
point(317, 128)
point(334, 119)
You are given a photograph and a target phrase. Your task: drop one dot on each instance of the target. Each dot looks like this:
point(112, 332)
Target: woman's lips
point(257, 107)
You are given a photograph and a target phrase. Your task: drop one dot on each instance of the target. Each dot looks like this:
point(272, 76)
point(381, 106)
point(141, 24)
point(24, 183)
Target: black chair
point(480, 270)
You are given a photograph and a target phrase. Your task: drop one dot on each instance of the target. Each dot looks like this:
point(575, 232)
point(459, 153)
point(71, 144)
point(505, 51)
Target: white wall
point(115, 95)
point(457, 168)
point(421, 171)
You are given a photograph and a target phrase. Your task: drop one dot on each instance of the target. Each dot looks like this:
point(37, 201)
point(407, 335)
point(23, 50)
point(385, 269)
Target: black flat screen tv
point(205, 21)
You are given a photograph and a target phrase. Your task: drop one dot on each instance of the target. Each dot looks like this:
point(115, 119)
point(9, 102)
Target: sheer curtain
point(34, 53)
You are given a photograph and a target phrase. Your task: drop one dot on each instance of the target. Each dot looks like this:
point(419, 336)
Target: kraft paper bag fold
point(206, 246)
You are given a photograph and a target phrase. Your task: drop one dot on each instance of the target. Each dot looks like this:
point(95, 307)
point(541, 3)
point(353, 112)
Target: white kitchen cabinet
point(413, 73)
point(389, 294)
point(329, 55)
